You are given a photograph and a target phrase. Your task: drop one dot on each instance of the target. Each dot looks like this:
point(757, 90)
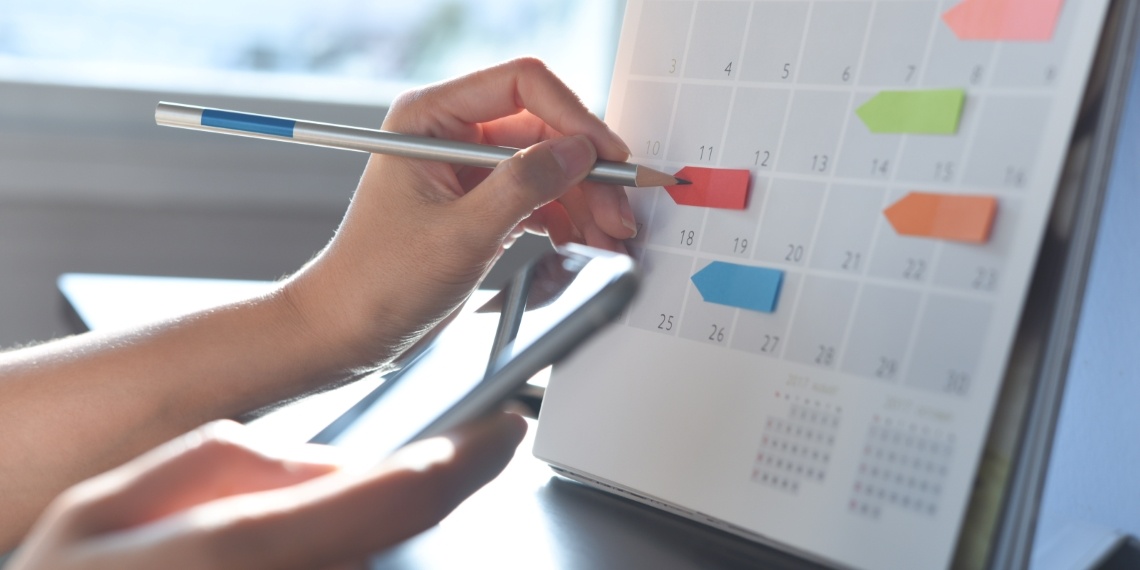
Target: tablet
point(483, 357)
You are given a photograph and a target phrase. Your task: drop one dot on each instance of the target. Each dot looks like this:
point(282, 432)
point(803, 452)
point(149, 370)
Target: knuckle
point(74, 507)
point(219, 441)
point(530, 65)
point(219, 428)
point(405, 107)
point(405, 100)
point(519, 172)
point(530, 177)
point(219, 431)
point(220, 448)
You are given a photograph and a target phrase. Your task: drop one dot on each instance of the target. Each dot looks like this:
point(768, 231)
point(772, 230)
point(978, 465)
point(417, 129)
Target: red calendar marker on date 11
point(724, 188)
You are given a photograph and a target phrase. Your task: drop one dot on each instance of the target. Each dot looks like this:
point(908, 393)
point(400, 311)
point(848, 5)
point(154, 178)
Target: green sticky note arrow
point(929, 112)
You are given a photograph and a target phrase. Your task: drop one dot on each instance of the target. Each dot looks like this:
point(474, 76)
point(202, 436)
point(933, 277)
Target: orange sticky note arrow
point(943, 216)
point(712, 188)
point(1017, 20)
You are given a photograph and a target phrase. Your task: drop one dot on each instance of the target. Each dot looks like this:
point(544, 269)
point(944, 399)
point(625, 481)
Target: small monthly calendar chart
point(796, 447)
point(827, 311)
point(903, 465)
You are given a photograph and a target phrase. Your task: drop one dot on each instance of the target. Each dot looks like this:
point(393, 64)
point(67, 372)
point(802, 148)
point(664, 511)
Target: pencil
point(383, 142)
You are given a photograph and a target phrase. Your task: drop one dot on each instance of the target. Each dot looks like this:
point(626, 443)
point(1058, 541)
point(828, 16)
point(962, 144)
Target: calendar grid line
point(787, 329)
point(841, 349)
point(1026, 92)
point(668, 143)
point(962, 293)
point(730, 327)
point(935, 258)
point(884, 371)
point(949, 187)
point(904, 362)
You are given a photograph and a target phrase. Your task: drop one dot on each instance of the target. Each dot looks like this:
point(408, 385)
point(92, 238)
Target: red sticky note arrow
point(1017, 20)
point(712, 188)
point(944, 216)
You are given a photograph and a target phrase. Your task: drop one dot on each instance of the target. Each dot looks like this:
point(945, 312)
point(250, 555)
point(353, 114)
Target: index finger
point(448, 109)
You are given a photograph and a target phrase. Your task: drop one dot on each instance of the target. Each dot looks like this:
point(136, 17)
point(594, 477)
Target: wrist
point(349, 326)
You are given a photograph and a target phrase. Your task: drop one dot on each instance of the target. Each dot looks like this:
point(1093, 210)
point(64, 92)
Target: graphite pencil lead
point(647, 177)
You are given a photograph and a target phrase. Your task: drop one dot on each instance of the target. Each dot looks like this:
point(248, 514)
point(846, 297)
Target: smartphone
point(483, 357)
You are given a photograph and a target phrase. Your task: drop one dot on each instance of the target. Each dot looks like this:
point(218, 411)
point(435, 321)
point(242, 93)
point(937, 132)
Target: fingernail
point(621, 143)
point(627, 218)
point(574, 154)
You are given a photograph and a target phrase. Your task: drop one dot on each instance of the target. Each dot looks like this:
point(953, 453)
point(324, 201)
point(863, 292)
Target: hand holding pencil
point(419, 235)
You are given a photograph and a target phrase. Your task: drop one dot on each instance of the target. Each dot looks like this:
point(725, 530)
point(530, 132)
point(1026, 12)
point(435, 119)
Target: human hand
point(420, 235)
point(216, 498)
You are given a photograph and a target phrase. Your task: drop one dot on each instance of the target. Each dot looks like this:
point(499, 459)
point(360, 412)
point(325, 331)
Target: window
point(350, 51)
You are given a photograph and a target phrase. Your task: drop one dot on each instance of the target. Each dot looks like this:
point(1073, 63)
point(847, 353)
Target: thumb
point(218, 460)
point(531, 178)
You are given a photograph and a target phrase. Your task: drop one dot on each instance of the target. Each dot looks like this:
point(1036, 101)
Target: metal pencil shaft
point(363, 140)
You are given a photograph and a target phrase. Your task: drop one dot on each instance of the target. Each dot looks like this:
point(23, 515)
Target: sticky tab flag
point(944, 216)
point(711, 188)
point(927, 112)
point(1012, 20)
point(742, 286)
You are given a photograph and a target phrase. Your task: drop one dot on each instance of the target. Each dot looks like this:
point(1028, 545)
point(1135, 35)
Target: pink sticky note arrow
point(711, 188)
point(1013, 20)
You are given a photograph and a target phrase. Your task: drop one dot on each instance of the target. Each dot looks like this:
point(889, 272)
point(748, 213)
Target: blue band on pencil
point(249, 123)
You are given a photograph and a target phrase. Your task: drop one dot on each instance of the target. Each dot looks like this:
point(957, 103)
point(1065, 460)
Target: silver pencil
point(382, 142)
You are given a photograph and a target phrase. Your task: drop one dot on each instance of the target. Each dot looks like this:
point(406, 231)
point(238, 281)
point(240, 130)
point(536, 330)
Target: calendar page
point(826, 315)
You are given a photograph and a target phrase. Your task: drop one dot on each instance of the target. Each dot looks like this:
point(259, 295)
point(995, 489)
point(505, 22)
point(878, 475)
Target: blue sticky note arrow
point(742, 286)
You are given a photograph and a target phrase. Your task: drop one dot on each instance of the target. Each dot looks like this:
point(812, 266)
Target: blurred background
point(355, 51)
point(88, 183)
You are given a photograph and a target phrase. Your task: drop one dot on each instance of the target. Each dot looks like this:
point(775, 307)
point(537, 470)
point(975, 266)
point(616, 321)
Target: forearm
point(79, 406)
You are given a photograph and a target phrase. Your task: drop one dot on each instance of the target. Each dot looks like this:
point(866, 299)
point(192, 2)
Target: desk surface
point(530, 518)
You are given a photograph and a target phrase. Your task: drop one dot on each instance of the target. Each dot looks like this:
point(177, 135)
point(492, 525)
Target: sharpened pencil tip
point(682, 182)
